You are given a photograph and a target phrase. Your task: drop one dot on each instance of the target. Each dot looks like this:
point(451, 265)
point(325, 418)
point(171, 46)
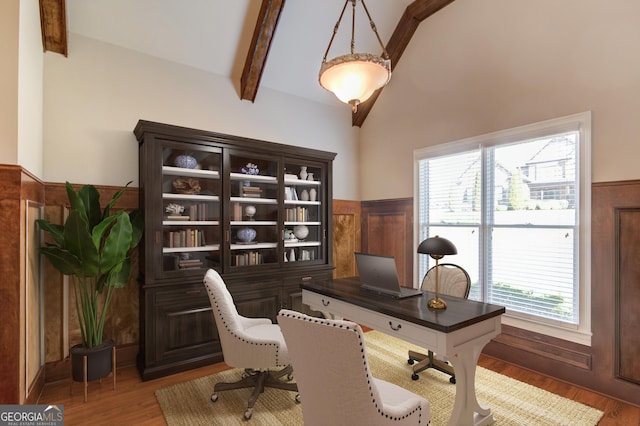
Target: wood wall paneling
point(628, 294)
point(387, 229)
point(606, 278)
point(609, 366)
point(20, 375)
point(346, 237)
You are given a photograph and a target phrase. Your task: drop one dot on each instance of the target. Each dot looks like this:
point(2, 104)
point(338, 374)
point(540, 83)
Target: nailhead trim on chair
point(364, 364)
point(277, 347)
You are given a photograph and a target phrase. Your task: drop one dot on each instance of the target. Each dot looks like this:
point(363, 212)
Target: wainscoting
point(386, 227)
point(21, 333)
point(610, 366)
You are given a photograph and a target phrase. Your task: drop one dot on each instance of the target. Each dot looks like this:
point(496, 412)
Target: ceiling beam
point(259, 49)
point(413, 15)
point(53, 24)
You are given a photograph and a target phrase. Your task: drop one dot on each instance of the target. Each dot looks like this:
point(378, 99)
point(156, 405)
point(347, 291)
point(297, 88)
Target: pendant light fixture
point(355, 76)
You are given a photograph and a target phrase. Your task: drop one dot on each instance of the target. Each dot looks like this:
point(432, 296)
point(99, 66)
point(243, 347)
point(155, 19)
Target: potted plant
point(93, 247)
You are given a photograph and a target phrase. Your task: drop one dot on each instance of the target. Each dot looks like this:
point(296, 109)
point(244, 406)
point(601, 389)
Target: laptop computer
point(379, 274)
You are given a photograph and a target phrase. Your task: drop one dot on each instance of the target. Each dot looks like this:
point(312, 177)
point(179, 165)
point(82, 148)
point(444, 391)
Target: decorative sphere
point(185, 161)
point(301, 231)
point(250, 211)
point(246, 235)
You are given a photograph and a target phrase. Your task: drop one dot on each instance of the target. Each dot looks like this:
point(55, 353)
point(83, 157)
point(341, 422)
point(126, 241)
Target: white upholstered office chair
point(255, 344)
point(334, 380)
point(452, 281)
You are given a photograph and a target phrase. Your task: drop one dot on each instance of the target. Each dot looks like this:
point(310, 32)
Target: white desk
point(458, 332)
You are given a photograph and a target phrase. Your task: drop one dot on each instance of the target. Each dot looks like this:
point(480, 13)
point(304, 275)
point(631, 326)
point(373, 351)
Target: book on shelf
point(237, 211)
point(250, 191)
point(249, 258)
point(297, 214)
point(186, 238)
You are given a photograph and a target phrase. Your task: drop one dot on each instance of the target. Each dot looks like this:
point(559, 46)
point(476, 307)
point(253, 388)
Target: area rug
point(512, 402)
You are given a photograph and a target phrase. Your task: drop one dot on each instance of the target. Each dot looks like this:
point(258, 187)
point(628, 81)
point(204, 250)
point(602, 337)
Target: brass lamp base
point(437, 303)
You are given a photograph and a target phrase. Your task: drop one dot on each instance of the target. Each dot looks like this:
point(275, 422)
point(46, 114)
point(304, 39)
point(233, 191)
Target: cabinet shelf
point(300, 182)
point(190, 222)
point(290, 223)
point(211, 247)
point(301, 243)
point(253, 246)
point(253, 200)
point(253, 178)
point(181, 171)
point(301, 203)
point(253, 222)
point(193, 197)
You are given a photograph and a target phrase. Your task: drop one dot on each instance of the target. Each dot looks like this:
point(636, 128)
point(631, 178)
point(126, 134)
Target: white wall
point(9, 38)
point(94, 98)
point(30, 69)
point(480, 66)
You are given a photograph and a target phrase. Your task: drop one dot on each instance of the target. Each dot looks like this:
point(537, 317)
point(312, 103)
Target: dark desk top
point(459, 313)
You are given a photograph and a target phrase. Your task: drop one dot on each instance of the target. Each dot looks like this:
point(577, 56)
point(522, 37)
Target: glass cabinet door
point(191, 208)
point(303, 221)
point(253, 210)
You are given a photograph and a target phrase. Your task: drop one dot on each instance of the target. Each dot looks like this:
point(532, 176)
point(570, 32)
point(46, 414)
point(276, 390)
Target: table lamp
point(437, 248)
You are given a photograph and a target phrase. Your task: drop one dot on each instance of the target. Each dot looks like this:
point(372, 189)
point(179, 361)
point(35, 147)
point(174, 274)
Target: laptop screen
point(378, 271)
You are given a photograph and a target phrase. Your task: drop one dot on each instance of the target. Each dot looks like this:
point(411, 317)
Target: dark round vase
point(99, 361)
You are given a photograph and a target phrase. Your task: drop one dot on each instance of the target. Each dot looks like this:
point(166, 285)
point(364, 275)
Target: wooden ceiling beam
point(53, 24)
point(413, 15)
point(259, 49)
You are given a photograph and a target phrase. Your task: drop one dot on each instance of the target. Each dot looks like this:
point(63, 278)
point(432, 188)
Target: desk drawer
point(405, 330)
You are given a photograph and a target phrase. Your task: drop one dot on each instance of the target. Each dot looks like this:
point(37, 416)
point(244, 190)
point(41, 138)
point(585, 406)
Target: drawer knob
point(395, 328)
point(326, 302)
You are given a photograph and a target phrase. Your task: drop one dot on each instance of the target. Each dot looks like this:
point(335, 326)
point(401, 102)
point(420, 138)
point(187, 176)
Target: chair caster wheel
point(214, 397)
point(298, 399)
point(414, 376)
point(248, 413)
point(410, 361)
point(452, 380)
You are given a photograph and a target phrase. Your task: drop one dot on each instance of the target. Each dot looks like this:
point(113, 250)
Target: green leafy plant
point(94, 248)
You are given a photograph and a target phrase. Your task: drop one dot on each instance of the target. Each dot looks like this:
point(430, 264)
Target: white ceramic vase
point(313, 194)
point(303, 172)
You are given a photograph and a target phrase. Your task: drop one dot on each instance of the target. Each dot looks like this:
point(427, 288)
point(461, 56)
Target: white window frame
point(581, 122)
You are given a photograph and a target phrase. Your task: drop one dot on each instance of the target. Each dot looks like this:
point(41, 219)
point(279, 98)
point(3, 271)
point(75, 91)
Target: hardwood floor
point(134, 402)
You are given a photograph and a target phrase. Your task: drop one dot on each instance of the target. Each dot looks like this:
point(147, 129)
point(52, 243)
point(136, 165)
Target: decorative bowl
point(246, 235)
point(185, 161)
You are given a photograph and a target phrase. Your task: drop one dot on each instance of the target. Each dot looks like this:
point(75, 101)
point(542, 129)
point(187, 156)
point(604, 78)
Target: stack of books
point(251, 191)
point(189, 263)
point(177, 217)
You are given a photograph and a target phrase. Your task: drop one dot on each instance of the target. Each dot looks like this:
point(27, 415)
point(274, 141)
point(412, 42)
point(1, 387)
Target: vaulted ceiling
point(268, 43)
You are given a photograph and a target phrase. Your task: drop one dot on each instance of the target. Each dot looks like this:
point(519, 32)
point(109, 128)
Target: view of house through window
point(511, 206)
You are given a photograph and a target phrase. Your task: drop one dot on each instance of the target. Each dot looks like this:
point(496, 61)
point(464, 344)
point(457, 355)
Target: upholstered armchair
point(254, 344)
point(452, 281)
point(334, 380)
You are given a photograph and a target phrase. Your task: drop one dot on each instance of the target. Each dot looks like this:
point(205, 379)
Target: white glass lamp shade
point(354, 77)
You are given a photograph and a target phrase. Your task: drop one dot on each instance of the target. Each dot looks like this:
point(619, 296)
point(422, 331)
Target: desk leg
point(466, 409)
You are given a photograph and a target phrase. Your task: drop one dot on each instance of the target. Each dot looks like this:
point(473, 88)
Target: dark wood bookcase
point(239, 206)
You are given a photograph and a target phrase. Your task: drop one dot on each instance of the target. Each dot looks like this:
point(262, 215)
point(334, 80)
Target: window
point(516, 205)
